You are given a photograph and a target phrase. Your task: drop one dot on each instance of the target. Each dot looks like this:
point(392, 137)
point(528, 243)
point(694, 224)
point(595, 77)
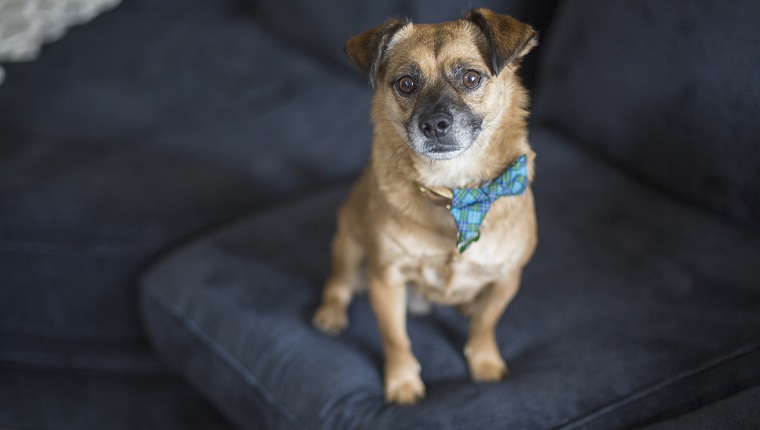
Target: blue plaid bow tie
point(470, 205)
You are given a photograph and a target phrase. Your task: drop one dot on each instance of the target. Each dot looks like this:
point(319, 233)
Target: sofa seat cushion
point(635, 308)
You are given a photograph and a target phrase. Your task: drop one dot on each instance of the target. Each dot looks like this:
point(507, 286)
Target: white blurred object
point(25, 25)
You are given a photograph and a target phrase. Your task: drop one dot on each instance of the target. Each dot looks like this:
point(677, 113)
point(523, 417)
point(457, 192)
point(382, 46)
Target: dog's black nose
point(435, 124)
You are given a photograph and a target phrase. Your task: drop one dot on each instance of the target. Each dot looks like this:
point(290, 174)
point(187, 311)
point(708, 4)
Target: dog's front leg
point(403, 384)
point(481, 349)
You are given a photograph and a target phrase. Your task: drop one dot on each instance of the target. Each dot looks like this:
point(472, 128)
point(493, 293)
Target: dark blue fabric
point(335, 21)
point(160, 120)
point(635, 308)
point(666, 89)
point(78, 223)
point(153, 123)
point(739, 412)
point(57, 398)
point(147, 126)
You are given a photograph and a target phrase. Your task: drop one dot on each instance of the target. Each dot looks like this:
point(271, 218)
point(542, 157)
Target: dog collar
point(469, 206)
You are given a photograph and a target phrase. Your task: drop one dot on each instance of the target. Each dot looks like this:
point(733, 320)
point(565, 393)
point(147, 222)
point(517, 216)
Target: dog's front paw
point(403, 384)
point(331, 320)
point(484, 360)
point(404, 390)
point(488, 368)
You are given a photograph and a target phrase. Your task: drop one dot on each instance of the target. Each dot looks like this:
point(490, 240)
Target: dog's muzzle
point(436, 124)
point(442, 134)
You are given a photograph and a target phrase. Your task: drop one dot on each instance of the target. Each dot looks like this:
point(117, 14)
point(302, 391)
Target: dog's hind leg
point(348, 275)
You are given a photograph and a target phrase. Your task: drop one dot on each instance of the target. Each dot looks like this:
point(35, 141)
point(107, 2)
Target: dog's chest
point(450, 279)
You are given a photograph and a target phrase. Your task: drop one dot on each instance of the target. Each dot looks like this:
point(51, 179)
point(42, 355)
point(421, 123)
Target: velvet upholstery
point(328, 19)
point(634, 309)
point(667, 90)
point(88, 399)
point(162, 143)
point(137, 132)
point(190, 146)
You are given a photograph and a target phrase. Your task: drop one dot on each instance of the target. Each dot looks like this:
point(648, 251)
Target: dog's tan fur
point(401, 237)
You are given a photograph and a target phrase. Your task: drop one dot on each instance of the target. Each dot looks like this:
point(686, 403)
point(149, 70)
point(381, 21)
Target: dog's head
point(441, 85)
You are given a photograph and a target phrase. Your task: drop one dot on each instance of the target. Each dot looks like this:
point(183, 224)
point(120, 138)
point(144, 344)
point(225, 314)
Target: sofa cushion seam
point(646, 391)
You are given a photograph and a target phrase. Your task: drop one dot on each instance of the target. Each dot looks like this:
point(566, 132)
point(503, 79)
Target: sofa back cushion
point(323, 27)
point(667, 89)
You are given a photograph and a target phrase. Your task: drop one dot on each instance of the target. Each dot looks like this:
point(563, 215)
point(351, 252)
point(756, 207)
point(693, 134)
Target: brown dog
point(449, 113)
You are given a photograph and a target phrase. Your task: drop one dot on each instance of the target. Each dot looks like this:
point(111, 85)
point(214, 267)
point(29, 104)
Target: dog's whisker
point(390, 159)
point(402, 154)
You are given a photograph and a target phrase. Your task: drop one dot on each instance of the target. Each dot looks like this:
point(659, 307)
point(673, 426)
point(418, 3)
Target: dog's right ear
point(367, 49)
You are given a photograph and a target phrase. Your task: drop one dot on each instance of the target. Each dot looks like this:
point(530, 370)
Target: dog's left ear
point(507, 38)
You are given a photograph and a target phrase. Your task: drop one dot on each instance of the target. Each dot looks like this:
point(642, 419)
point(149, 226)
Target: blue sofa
point(169, 175)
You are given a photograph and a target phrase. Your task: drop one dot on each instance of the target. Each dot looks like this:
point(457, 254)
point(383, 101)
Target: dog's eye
point(471, 79)
point(406, 85)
